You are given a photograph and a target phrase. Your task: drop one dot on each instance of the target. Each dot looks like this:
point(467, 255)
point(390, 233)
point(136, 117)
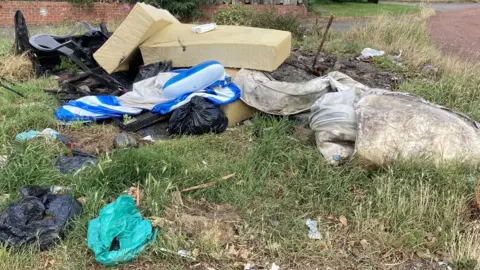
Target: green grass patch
point(353, 9)
point(394, 214)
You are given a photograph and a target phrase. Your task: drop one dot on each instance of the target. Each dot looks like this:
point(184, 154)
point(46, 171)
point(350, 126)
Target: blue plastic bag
point(122, 223)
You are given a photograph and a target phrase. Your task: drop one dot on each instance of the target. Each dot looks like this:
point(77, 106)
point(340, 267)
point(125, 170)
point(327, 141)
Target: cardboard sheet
point(237, 111)
point(142, 22)
point(233, 46)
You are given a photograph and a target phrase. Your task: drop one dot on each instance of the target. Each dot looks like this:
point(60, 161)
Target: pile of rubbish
point(155, 73)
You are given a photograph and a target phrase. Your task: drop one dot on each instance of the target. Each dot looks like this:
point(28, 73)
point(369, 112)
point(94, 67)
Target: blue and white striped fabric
point(161, 94)
point(94, 108)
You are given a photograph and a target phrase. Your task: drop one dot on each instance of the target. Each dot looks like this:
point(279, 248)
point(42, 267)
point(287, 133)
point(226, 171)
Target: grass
point(362, 9)
point(397, 215)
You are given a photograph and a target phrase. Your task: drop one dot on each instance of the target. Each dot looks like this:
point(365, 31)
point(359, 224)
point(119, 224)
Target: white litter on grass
point(444, 265)
point(275, 267)
point(148, 138)
point(3, 161)
point(313, 233)
point(204, 28)
point(369, 52)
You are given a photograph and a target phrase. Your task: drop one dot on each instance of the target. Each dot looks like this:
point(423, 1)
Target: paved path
point(438, 7)
point(457, 32)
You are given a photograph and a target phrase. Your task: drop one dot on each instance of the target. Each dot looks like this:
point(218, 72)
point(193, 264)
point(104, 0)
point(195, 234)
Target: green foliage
point(248, 16)
point(183, 9)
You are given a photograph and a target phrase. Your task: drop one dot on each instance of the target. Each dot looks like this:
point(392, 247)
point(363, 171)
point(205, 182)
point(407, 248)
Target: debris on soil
point(16, 68)
point(125, 140)
point(137, 194)
point(296, 69)
point(94, 139)
point(208, 223)
point(313, 234)
point(70, 165)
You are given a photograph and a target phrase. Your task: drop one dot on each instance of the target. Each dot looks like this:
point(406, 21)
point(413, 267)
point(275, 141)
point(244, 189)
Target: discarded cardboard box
point(237, 111)
point(142, 22)
point(233, 46)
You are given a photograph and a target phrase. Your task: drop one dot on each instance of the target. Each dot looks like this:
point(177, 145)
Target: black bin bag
point(199, 116)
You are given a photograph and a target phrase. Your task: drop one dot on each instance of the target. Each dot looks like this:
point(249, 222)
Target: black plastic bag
point(22, 43)
point(38, 216)
point(152, 70)
point(199, 116)
point(70, 165)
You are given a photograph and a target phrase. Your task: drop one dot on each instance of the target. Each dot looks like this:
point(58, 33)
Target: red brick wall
point(40, 12)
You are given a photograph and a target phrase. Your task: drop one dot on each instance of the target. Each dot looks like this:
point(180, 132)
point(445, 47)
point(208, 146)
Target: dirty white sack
point(394, 126)
point(287, 98)
point(334, 122)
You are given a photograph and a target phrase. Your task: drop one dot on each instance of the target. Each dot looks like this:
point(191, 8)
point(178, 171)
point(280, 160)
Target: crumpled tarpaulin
point(287, 98)
point(161, 94)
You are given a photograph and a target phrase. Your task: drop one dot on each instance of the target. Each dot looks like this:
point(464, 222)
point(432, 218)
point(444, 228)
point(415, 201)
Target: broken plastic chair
point(49, 43)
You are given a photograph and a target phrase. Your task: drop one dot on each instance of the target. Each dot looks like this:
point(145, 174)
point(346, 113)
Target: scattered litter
point(184, 253)
point(399, 55)
point(4, 198)
point(369, 53)
point(82, 200)
point(444, 265)
point(3, 161)
point(275, 267)
point(38, 216)
point(48, 132)
point(199, 116)
point(59, 190)
point(120, 233)
point(431, 68)
point(136, 193)
point(204, 28)
point(313, 233)
point(125, 140)
point(148, 138)
point(157, 222)
point(71, 165)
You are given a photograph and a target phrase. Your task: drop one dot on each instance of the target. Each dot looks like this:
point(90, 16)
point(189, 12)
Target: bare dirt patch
point(294, 69)
point(457, 32)
point(94, 139)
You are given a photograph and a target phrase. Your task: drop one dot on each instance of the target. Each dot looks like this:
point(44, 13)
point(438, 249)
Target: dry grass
point(409, 33)
point(16, 67)
point(93, 139)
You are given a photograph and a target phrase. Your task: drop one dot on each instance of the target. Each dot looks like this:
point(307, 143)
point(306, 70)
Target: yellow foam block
point(237, 112)
point(141, 23)
point(233, 46)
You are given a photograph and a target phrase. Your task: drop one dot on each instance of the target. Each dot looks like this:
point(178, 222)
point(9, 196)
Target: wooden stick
point(138, 194)
point(209, 184)
point(323, 41)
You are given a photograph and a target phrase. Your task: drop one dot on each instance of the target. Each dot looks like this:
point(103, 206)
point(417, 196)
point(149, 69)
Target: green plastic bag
point(122, 221)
